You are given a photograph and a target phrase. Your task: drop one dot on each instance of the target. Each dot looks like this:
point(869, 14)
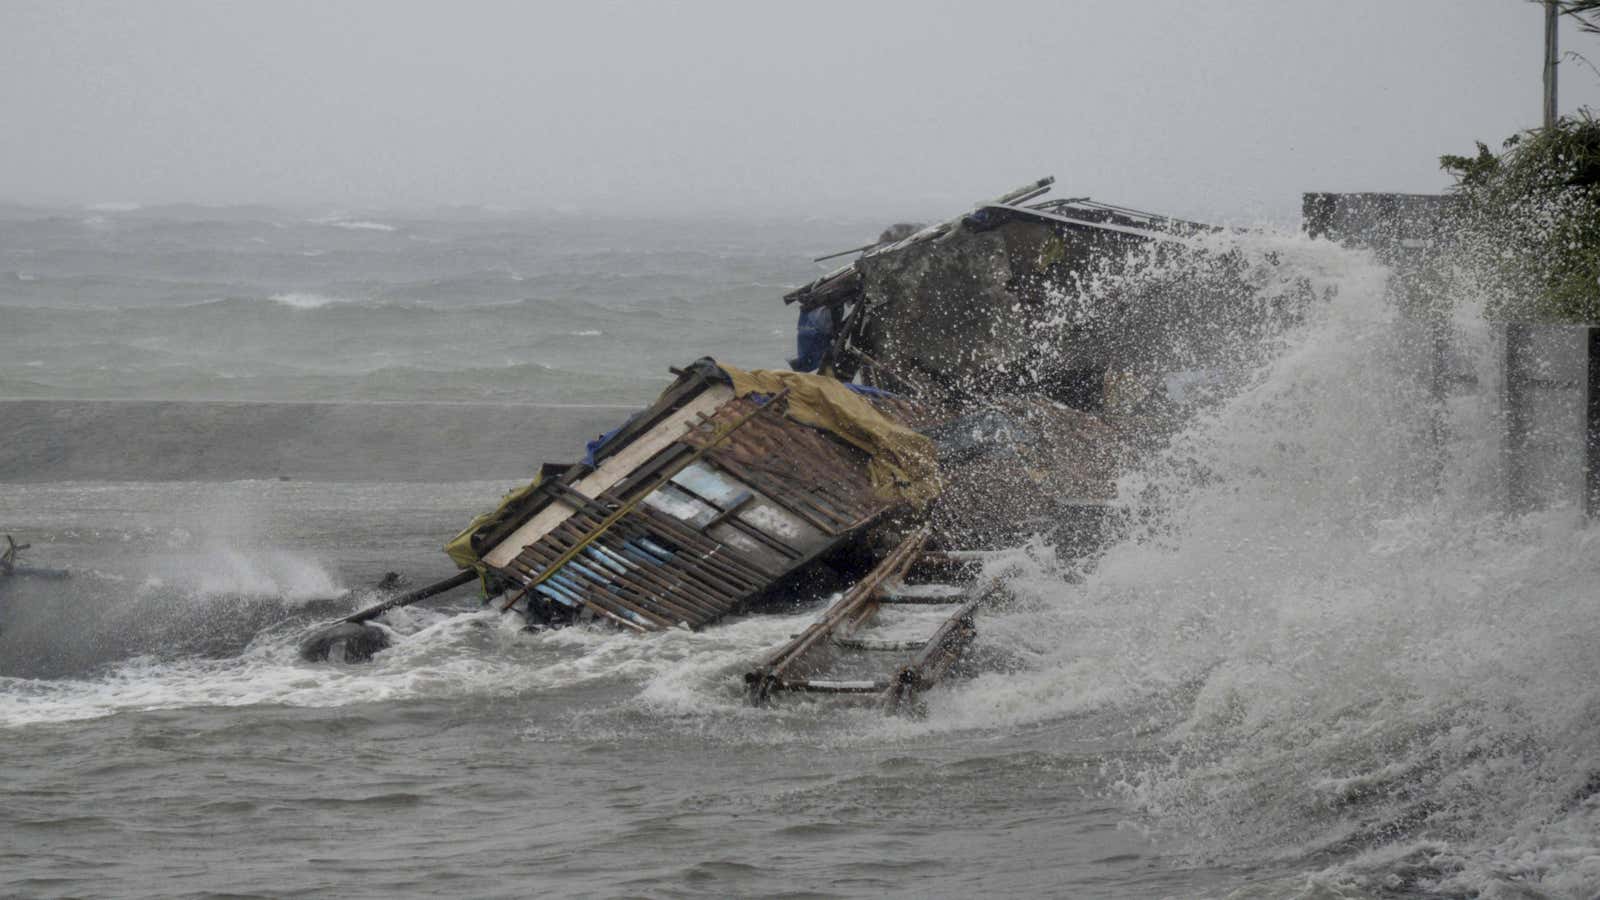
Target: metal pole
point(438, 587)
point(1591, 443)
point(1551, 17)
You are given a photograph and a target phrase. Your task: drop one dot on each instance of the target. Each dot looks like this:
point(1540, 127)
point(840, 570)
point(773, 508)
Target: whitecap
point(304, 300)
point(362, 225)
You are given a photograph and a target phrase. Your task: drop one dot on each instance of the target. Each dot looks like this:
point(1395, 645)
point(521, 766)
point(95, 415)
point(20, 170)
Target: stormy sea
point(1311, 672)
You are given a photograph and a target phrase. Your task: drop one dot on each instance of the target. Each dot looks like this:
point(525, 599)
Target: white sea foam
point(1337, 638)
point(359, 225)
point(435, 655)
point(307, 300)
point(423, 665)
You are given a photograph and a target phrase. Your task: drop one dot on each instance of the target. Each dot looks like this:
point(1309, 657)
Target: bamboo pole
point(438, 587)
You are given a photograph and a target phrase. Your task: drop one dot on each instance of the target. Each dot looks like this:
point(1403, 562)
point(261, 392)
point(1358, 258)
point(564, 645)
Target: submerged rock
point(344, 642)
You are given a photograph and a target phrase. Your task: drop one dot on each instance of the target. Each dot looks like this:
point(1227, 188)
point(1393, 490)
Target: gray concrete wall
point(87, 440)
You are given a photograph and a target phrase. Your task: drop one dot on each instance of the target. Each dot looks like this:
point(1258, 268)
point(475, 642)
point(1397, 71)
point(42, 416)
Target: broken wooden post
point(432, 590)
point(8, 558)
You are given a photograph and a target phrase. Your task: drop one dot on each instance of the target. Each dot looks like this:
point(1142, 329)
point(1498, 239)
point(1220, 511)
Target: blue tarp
point(812, 335)
point(867, 390)
point(594, 446)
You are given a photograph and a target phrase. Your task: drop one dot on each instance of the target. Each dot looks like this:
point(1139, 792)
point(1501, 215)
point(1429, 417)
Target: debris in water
point(10, 567)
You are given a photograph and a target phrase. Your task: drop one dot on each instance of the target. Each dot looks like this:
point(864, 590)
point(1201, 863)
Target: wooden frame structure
point(795, 666)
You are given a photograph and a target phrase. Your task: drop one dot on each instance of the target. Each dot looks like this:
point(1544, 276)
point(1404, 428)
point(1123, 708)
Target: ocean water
point(1321, 662)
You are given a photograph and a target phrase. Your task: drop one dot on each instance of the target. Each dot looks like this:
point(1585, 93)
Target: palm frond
point(1586, 12)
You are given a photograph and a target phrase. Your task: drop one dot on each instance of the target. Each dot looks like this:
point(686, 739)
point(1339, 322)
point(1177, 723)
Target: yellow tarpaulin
point(460, 547)
point(903, 463)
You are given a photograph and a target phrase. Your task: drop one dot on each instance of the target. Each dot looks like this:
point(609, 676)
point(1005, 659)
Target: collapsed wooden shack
point(731, 488)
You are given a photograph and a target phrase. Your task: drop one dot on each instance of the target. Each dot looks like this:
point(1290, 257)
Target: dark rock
point(344, 642)
point(393, 581)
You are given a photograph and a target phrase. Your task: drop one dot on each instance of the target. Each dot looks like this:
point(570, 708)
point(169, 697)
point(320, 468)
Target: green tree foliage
point(1532, 219)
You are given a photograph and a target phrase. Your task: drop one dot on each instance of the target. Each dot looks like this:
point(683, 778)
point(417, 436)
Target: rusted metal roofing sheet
point(818, 478)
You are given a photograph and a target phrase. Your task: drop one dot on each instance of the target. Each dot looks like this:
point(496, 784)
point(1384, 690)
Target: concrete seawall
point(114, 440)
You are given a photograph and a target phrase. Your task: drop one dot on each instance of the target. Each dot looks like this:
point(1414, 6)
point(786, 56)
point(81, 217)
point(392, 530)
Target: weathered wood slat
point(697, 610)
point(819, 686)
point(878, 646)
point(591, 587)
point(712, 599)
point(893, 598)
point(940, 653)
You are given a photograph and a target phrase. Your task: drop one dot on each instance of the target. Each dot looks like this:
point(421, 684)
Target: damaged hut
point(731, 487)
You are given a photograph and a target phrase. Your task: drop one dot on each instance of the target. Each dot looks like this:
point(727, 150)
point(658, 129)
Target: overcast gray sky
point(1223, 109)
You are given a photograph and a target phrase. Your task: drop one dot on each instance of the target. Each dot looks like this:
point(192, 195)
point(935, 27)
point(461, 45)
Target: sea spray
point(1381, 685)
point(1348, 655)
